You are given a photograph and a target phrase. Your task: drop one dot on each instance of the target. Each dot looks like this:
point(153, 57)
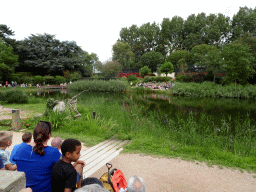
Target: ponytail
point(41, 134)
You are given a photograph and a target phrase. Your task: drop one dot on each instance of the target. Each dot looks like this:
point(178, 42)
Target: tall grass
point(154, 133)
point(99, 85)
point(210, 89)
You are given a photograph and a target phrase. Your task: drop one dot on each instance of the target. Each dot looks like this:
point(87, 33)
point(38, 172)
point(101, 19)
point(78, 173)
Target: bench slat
point(102, 159)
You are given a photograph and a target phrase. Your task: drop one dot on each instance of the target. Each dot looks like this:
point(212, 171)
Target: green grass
point(126, 120)
point(210, 89)
point(99, 85)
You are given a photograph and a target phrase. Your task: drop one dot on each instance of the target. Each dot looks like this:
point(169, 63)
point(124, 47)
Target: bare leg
point(79, 169)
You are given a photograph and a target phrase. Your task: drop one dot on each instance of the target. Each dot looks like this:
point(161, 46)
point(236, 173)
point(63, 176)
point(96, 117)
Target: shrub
point(75, 76)
point(49, 79)
point(147, 79)
point(144, 71)
point(38, 80)
point(59, 80)
point(184, 78)
point(132, 78)
point(15, 96)
point(26, 79)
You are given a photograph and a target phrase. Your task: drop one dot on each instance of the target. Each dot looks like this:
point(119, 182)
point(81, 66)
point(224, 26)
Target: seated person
point(26, 138)
point(1, 165)
point(6, 141)
point(57, 142)
point(37, 159)
point(65, 176)
point(91, 188)
point(136, 184)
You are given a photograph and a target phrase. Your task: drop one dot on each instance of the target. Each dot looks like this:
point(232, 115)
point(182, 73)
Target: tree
point(144, 71)
point(110, 68)
point(238, 62)
point(175, 56)
point(152, 59)
point(5, 34)
point(244, 22)
point(90, 60)
point(202, 29)
point(166, 68)
point(8, 60)
point(123, 53)
point(199, 53)
point(44, 54)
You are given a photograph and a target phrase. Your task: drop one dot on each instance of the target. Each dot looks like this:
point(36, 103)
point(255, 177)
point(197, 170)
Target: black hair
point(41, 134)
point(69, 145)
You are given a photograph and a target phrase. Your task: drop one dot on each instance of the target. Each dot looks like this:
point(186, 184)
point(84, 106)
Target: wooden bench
point(98, 155)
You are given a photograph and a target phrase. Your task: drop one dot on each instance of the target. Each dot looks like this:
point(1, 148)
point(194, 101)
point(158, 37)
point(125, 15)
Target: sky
point(95, 24)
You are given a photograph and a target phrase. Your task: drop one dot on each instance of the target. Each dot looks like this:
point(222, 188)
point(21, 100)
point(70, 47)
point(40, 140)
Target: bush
point(144, 71)
point(15, 96)
point(184, 78)
point(38, 80)
point(26, 79)
point(147, 79)
point(132, 78)
point(59, 80)
point(75, 76)
point(49, 79)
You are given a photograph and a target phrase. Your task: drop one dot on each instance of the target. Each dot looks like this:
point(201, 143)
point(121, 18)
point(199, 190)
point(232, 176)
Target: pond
point(215, 111)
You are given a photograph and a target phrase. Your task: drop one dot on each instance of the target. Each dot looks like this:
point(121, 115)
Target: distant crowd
point(156, 86)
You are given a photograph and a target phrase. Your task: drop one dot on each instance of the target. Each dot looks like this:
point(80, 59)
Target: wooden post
point(93, 114)
point(15, 119)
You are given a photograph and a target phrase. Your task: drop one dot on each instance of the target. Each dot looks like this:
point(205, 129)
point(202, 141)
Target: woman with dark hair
point(37, 159)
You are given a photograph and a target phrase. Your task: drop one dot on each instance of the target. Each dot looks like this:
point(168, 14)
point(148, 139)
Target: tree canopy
point(152, 59)
point(44, 54)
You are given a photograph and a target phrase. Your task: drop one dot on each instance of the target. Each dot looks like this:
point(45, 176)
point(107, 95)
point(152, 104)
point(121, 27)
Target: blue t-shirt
point(14, 150)
point(37, 168)
point(1, 163)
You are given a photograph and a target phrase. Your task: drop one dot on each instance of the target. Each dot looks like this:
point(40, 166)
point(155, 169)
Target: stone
point(60, 106)
point(12, 181)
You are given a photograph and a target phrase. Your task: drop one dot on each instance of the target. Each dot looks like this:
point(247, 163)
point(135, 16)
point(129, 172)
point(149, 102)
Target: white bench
point(98, 155)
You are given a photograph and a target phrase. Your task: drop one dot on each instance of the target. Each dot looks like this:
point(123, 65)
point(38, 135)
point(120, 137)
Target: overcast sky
point(95, 24)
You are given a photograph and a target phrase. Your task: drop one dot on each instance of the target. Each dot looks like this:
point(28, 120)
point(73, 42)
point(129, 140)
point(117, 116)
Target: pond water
point(217, 110)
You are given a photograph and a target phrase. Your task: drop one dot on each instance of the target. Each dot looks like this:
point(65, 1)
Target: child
point(6, 141)
point(66, 176)
point(26, 138)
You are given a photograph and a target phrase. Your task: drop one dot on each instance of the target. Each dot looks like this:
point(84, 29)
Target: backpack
point(113, 180)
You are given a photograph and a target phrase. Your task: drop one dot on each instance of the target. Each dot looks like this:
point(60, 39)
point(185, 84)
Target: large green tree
point(152, 59)
point(5, 34)
point(238, 62)
point(175, 56)
point(244, 22)
point(109, 69)
point(44, 54)
point(166, 68)
point(89, 65)
point(8, 60)
point(201, 29)
point(123, 53)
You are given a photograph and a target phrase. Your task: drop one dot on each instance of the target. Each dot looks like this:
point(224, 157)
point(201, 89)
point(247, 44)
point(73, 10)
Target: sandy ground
point(162, 174)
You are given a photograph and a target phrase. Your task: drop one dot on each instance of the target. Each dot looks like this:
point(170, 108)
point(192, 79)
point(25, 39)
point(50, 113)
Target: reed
point(210, 89)
point(99, 85)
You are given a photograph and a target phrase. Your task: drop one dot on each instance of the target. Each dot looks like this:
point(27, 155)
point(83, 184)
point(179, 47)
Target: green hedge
point(13, 96)
point(156, 79)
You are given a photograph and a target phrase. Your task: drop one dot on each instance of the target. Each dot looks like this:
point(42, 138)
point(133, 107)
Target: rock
point(60, 106)
point(38, 115)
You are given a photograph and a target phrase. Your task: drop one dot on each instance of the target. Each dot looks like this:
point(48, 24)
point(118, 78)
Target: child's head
point(26, 137)
point(56, 142)
point(42, 133)
point(5, 138)
point(71, 148)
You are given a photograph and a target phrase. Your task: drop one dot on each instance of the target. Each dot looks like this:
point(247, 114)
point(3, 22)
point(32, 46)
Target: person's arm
point(11, 167)
point(67, 190)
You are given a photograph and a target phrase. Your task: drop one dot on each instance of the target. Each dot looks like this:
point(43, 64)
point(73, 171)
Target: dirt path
point(168, 175)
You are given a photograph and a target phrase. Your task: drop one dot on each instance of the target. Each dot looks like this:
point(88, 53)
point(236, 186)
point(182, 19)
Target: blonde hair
point(5, 136)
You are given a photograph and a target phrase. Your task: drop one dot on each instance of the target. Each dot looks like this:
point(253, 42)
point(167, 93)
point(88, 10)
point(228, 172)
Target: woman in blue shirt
point(37, 159)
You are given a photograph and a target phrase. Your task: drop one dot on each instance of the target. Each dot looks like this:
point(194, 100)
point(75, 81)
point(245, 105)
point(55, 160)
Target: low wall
point(12, 181)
